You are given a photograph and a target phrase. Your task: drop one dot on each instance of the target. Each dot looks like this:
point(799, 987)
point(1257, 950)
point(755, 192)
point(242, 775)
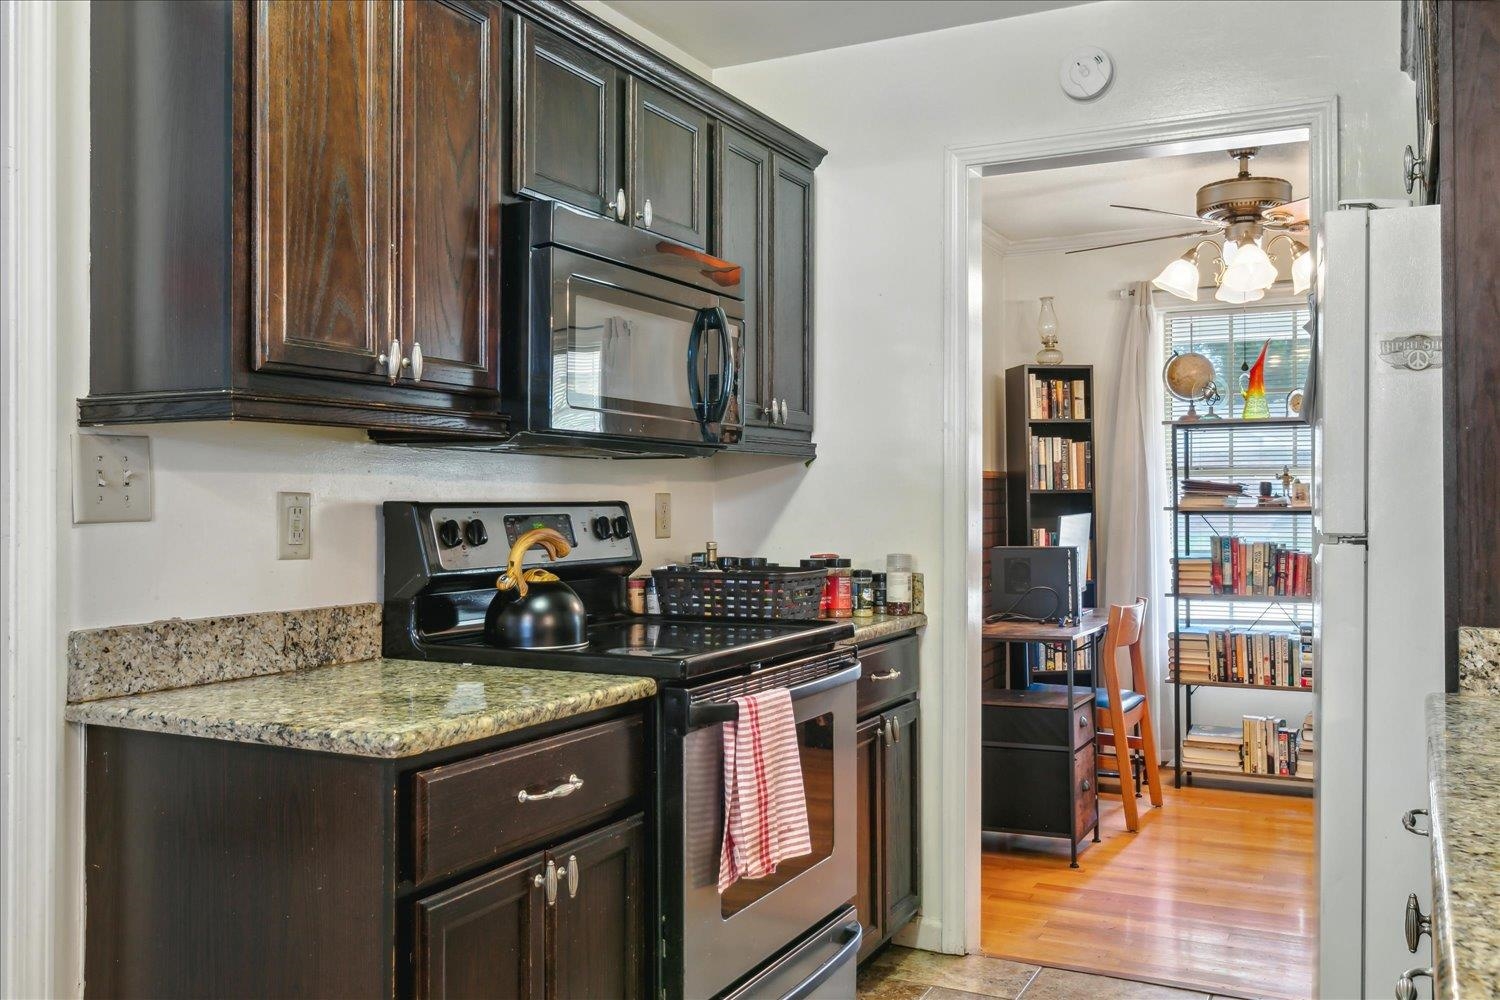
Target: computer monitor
point(1034, 582)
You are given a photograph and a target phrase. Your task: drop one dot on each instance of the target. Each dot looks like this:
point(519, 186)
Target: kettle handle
point(514, 578)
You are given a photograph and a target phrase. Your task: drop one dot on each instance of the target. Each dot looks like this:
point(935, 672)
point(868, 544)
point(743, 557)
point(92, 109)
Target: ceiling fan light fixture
point(1237, 297)
point(1250, 270)
point(1302, 267)
point(1180, 278)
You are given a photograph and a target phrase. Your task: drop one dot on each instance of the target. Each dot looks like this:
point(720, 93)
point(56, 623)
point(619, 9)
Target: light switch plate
point(294, 526)
point(111, 478)
point(663, 515)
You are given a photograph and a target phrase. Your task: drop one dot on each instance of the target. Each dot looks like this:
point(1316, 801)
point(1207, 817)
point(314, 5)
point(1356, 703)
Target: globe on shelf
point(1190, 377)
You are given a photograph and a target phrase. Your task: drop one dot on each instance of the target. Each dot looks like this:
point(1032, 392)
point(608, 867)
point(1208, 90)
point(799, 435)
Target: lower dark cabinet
point(870, 813)
point(484, 937)
point(596, 944)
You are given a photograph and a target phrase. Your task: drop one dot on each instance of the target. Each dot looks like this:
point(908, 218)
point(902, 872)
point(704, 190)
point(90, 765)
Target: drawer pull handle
point(1406, 988)
point(1417, 923)
point(562, 791)
point(1083, 722)
point(888, 675)
point(1087, 784)
point(1410, 822)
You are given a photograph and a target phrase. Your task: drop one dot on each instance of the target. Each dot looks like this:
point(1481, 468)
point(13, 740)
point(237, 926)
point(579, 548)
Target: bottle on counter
point(864, 593)
point(843, 589)
point(877, 583)
point(898, 583)
point(823, 560)
point(653, 599)
point(636, 594)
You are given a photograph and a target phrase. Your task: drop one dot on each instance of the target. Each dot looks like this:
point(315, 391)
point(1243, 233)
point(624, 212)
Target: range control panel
point(479, 536)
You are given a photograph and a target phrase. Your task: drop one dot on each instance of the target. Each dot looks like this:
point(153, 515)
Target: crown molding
point(994, 240)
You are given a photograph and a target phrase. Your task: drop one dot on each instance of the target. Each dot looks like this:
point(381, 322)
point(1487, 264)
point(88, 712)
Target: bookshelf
point(1198, 536)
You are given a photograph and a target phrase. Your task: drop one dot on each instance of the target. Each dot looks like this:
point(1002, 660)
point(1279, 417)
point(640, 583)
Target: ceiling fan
point(1250, 213)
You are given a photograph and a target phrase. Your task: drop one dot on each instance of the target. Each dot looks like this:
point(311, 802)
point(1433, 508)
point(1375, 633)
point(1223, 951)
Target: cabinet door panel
point(901, 804)
point(741, 227)
point(669, 165)
point(567, 122)
point(449, 182)
point(323, 193)
point(869, 896)
point(484, 937)
point(596, 936)
point(791, 299)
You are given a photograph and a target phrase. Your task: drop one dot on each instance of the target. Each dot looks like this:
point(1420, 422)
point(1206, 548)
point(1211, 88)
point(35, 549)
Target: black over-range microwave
point(616, 342)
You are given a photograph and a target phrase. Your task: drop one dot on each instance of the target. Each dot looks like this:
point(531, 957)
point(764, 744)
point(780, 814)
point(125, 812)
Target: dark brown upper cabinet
point(668, 166)
point(449, 183)
point(567, 124)
point(323, 195)
point(789, 348)
point(742, 226)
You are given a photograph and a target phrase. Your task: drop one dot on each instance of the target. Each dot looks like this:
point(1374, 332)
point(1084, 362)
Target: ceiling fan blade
point(1292, 214)
point(1157, 211)
point(1148, 239)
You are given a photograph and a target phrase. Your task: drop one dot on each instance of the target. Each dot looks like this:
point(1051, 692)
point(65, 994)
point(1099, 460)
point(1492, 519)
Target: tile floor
point(903, 974)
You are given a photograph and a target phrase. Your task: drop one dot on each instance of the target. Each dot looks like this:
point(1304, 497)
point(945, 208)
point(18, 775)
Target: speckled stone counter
point(372, 708)
point(1463, 767)
point(1479, 660)
point(868, 630)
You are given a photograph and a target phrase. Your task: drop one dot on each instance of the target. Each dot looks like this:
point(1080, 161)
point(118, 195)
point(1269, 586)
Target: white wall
point(996, 356)
point(887, 111)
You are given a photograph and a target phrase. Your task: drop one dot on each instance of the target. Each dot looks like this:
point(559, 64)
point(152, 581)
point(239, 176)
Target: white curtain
point(1134, 535)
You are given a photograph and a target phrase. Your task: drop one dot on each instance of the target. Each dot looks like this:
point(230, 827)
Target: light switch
point(294, 526)
point(111, 478)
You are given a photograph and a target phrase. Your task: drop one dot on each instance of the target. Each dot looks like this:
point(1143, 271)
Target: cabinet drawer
point(1033, 725)
point(889, 674)
point(1086, 805)
point(472, 811)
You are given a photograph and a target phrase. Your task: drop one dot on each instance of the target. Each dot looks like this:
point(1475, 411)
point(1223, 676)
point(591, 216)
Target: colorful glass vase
point(1255, 392)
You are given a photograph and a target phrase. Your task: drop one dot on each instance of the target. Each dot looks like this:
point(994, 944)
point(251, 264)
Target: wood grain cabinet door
point(668, 166)
point(323, 197)
point(567, 124)
point(901, 804)
point(791, 291)
point(869, 809)
point(485, 937)
point(596, 935)
point(449, 184)
point(741, 228)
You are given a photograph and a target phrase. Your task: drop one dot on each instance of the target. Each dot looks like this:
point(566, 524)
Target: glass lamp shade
point(1302, 271)
point(1236, 297)
point(1046, 328)
point(1250, 270)
point(1180, 277)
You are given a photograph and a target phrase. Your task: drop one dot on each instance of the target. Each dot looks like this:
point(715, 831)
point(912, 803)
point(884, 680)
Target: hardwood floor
point(1216, 892)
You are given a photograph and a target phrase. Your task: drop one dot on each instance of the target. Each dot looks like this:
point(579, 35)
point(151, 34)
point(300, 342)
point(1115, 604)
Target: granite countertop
point(1463, 767)
point(370, 708)
point(883, 627)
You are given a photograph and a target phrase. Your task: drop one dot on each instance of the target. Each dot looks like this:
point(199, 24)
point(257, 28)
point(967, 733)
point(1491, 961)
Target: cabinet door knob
point(1409, 821)
point(562, 791)
point(617, 207)
point(391, 361)
point(572, 876)
point(1417, 923)
point(1406, 987)
point(416, 361)
point(1083, 722)
point(783, 411)
point(1087, 784)
point(895, 730)
point(549, 880)
point(644, 215)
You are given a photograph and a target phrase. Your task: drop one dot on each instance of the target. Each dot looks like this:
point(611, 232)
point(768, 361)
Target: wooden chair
point(1122, 715)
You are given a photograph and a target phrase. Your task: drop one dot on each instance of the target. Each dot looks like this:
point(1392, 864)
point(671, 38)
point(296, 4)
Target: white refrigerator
point(1378, 618)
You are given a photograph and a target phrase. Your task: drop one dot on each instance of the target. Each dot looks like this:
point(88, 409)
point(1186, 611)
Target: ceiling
point(730, 32)
point(1065, 207)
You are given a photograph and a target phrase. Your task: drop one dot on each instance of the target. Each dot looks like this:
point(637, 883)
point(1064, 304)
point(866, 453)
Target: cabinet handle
point(391, 361)
point(562, 791)
point(644, 215)
point(1086, 784)
point(895, 730)
point(617, 207)
point(1417, 923)
point(1410, 822)
point(888, 675)
point(783, 412)
point(1406, 987)
point(415, 361)
point(1083, 722)
point(549, 880)
point(572, 876)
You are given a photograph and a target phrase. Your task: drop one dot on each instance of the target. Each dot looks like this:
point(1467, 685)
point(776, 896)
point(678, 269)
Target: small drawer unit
point(889, 675)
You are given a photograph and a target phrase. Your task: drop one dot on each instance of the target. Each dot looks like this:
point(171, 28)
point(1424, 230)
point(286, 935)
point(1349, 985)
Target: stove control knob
point(450, 534)
point(475, 534)
point(622, 526)
point(601, 527)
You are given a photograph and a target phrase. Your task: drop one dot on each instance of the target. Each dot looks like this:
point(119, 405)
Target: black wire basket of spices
point(732, 590)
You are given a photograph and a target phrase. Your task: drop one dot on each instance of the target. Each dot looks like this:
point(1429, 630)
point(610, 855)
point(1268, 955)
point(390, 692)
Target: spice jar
point(637, 594)
point(864, 593)
point(843, 589)
point(825, 597)
point(898, 584)
point(877, 584)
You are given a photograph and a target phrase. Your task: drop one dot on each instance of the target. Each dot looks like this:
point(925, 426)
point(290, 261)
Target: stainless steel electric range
point(792, 934)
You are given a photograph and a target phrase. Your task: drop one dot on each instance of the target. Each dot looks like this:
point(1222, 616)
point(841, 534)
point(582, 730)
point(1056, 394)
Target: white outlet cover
point(294, 526)
point(111, 478)
point(1086, 73)
point(662, 515)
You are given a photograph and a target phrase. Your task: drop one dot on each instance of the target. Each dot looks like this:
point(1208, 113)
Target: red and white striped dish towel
point(765, 807)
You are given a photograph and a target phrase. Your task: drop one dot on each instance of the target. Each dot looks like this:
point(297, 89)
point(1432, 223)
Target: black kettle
point(533, 609)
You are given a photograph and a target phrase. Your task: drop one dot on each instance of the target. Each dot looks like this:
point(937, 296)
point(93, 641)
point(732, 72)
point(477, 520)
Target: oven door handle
point(852, 935)
point(712, 713)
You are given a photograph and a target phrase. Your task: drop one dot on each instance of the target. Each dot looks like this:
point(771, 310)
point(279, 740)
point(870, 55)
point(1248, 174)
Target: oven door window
point(623, 359)
point(815, 742)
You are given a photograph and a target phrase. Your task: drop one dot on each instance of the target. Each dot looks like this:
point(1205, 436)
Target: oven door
point(635, 355)
point(713, 940)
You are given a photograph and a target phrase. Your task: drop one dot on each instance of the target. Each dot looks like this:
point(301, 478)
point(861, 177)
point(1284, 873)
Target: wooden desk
point(1091, 625)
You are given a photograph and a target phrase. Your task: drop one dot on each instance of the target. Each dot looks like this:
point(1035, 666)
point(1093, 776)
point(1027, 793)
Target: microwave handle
point(695, 347)
point(720, 404)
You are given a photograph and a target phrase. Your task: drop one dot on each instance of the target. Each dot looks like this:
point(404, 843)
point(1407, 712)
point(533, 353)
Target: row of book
point(1239, 656)
point(1239, 567)
point(1260, 744)
point(1061, 464)
point(1057, 398)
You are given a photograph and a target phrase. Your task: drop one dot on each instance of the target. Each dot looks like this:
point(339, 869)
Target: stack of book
point(1057, 398)
point(1205, 494)
point(1195, 576)
point(1213, 747)
point(1237, 656)
point(1061, 464)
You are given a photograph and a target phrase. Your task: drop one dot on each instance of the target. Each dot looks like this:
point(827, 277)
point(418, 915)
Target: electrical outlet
point(111, 478)
point(663, 515)
point(294, 526)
